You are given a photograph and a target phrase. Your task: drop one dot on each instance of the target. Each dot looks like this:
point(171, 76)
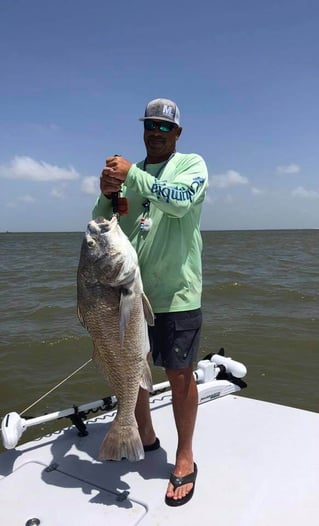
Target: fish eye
point(104, 229)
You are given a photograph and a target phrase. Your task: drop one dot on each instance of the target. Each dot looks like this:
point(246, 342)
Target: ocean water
point(260, 302)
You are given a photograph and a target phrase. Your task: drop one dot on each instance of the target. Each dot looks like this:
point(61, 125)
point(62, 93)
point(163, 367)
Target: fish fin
point(122, 442)
point(81, 317)
point(148, 311)
point(127, 300)
point(146, 381)
point(99, 363)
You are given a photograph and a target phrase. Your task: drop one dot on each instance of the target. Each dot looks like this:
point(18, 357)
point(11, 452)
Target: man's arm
point(111, 180)
point(185, 187)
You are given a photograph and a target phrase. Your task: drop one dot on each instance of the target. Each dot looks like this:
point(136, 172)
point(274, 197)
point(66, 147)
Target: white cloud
point(256, 191)
point(230, 178)
point(58, 192)
point(288, 169)
point(90, 185)
point(307, 194)
point(29, 169)
point(26, 199)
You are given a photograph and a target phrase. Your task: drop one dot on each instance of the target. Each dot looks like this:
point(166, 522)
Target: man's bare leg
point(185, 403)
point(144, 419)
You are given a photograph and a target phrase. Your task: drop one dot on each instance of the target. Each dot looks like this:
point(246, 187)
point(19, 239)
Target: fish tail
point(122, 442)
point(146, 381)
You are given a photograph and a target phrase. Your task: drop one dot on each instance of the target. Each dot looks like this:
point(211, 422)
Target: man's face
point(160, 144)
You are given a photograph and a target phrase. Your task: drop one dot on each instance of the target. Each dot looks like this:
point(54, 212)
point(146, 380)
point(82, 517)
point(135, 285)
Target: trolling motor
point(218, 366)
point(13, 425)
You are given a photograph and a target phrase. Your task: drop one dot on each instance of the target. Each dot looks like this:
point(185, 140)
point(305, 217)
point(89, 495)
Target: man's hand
point(114, 174)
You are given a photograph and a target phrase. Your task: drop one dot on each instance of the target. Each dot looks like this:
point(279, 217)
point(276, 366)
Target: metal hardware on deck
point(52, 467)
point(109, 402)
point(122, 496)
point(33, 522)
point(76, 419)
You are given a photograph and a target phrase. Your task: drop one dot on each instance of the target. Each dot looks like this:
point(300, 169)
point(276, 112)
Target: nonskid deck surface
point(258, 465)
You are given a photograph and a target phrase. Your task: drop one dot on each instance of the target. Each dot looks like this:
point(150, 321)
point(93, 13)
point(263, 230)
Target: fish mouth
point(98, 227)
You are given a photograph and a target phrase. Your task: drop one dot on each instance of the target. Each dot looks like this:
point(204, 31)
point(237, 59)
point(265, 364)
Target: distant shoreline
point(203, 230)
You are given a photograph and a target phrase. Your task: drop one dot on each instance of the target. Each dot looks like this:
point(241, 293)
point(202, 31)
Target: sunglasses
point(162, 126)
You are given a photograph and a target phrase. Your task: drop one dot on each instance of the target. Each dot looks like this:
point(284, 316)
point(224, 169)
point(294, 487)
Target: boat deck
point(258, 465)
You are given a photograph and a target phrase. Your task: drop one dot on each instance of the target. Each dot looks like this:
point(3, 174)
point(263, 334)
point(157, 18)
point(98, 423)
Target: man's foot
point(152, 447)
point(181, 489)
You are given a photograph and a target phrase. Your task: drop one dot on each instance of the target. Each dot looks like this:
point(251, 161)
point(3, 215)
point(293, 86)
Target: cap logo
point(168, 110)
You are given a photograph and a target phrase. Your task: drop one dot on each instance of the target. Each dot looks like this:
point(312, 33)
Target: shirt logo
point(168, 193)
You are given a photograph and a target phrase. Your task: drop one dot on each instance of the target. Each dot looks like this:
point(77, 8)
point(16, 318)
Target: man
point(165, 193)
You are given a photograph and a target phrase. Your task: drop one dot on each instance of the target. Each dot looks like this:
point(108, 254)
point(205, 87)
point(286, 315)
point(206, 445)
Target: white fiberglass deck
point(258, 465)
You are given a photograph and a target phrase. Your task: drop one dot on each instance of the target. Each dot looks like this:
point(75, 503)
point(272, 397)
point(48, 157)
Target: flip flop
point(180, 481)
point(152, 447)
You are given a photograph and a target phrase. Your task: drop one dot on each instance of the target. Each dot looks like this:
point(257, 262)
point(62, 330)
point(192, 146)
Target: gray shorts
point(174, 339)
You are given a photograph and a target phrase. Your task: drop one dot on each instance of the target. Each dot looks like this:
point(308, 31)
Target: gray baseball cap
point(162, 110)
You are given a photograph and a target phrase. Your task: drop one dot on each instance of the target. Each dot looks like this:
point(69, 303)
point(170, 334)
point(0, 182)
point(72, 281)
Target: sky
point(76, 75)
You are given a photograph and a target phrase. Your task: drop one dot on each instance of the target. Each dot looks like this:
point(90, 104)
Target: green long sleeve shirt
point(170, 195)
